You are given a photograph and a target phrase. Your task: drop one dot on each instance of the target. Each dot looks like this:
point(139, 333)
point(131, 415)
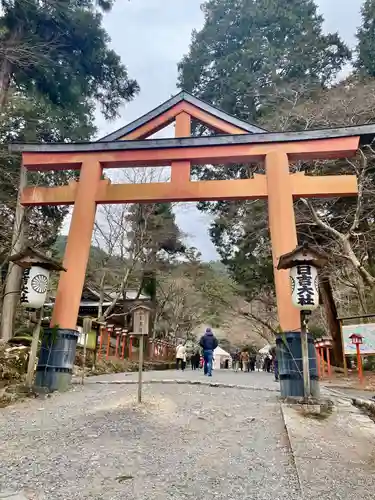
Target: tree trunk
point(5, 70)
point(13, 281)
point(117, 296)
point(368, 279)
point(101, 296)
point(333, 323)
point(6, 66)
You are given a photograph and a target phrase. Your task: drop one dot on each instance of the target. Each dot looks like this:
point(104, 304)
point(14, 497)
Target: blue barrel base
point(289, 356)
point(56, 359)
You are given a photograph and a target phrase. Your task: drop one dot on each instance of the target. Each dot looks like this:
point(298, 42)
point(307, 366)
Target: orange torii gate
point(242, 142)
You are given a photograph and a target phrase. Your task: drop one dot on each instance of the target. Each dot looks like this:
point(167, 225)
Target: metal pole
point(305, 356)
point(140, 369)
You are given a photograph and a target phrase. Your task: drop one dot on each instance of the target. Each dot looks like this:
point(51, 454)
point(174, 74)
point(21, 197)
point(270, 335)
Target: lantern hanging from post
point(36, 275)
point(302, 263)
point(305, 287)
point(37, 267)
point(34, 287)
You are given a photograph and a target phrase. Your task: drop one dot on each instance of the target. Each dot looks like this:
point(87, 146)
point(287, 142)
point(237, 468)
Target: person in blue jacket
point(208, 343)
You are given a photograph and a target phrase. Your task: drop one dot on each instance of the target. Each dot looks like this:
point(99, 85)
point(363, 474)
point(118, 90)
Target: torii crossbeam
point(243, 143)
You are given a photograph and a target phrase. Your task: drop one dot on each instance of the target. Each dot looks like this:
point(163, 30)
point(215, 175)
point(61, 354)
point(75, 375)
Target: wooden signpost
point(140, 329)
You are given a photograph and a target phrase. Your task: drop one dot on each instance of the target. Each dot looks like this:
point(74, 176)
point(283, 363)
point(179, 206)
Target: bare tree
point(347, 233)
point(125, 245)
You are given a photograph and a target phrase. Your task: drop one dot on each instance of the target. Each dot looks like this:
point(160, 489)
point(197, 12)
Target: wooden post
point(123, 344)
point(359, 363)
point(130, 347)
point(109, 331)
point(117, 330)
point(323, 364)
point(328, 354)
point(101, 341)
point(318, 361)
point(33, 351)
point(343, 350)
point(86, 329)
point(305, 356)
point(96, 348)
point(140, 369)
point(13, 279)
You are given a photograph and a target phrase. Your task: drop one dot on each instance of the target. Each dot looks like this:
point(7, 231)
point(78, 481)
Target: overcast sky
point(151, 36)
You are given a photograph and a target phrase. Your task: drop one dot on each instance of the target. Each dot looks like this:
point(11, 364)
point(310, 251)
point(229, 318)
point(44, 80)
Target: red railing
point(118, 343)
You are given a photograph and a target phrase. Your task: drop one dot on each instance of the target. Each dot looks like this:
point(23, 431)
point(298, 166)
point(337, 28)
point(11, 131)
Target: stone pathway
point(185, 441)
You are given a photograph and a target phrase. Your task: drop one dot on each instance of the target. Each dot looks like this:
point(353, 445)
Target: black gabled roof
point(173, 101)
point(365, 132)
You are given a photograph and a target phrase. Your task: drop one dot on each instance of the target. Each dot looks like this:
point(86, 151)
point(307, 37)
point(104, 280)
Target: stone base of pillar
point(290, 366)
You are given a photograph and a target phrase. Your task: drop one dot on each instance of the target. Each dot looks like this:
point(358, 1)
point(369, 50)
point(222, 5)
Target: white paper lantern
point(35, 286)
point(305, 287)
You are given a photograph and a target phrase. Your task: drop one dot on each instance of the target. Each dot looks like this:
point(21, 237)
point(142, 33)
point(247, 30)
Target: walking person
point(268, 363)
point(252, 363)
point(275, 364)
point(181, 357)
point(195, 359)
point(208, 342)
point(245, 361)
point(258, 362)
point(236, 360)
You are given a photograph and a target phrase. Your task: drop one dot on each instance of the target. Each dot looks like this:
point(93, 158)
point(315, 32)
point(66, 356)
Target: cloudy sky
point(151, 36)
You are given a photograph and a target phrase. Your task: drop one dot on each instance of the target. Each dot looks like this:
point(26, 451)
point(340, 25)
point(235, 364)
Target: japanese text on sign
point(304, 281)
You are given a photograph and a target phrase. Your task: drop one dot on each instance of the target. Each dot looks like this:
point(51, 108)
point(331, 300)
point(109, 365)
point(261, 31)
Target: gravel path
point(183, 442)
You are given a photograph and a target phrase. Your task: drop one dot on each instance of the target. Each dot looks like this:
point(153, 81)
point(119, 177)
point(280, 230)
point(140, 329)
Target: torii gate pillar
point(283, 232)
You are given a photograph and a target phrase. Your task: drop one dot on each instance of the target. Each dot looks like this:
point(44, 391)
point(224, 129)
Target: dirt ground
point(351, 381)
